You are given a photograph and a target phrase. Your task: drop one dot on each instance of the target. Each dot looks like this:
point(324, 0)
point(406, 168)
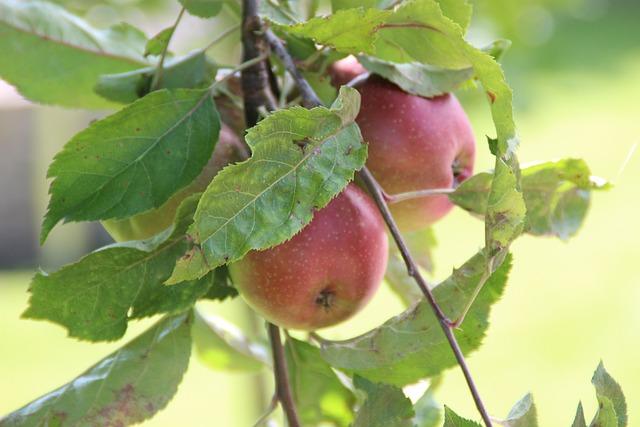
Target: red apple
point(325, 273)
point(415, 143)
point(345, 70)
point(144, 225)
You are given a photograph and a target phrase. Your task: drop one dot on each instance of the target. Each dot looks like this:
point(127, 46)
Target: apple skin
point(325, 273)
point(415, 143)
point(345, 70)
point(147, 224)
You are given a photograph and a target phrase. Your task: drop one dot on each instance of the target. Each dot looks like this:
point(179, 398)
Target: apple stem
point(374, 188)
point(281, 376)
point(410, 195)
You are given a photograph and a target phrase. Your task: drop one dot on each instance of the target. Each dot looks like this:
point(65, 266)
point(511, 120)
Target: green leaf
point(203, 8)
point(428, 410)
point(194, 70)
point(497, 48)
point(126, 387)
point(133, 160)
point(411, 346)
point(318, 393)
point(416, 78)
point(417, 31)
point(506, 209)
point(385, 406)
point(279, 11)
point(220, 345)
point(557, 196)
point(606, 415)
point(366, 4)
point(95, 297)
point(451, 419)
point(610, 398)
point(523, 414)
point(222, 288)
point(459, 11)
point(301, 160)
point(579, 420)
point(321, 85)
point(158, 43)
point(54, 57)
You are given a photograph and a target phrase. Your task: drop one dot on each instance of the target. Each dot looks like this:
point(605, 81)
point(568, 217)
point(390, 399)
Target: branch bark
point(311, 99)
point(256, 89)
point(255, 79)
point(283, 390)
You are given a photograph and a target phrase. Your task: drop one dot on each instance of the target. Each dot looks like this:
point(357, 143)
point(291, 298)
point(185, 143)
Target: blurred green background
point(575, 69)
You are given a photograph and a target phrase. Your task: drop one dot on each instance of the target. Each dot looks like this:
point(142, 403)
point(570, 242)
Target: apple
point(415, 143)
point(146, 224)
point(345, 70)
point(325, 273)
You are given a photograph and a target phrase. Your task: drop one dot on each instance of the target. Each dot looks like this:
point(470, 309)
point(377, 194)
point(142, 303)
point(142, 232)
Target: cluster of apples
point(332, 268)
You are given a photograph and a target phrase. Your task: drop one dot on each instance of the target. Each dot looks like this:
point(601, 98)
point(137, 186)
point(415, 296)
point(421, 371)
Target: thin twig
point(240, 67)
point(267, 413)
point(157, 76)
point(281, 376)
point(412, 268)
point(376, 191)
point(222, 36)
point(308, 94)
point(410, 195)
point(483, 279)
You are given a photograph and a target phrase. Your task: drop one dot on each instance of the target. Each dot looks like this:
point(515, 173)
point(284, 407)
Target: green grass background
point(566, 307)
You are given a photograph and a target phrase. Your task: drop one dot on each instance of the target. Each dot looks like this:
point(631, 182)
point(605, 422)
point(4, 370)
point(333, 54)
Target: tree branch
point(257, 94)
point(281, 375)
point(310, 99)
point(255, 79)
point(374, 188)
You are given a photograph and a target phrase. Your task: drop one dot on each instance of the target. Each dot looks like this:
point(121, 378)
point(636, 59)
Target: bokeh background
point(575, 69)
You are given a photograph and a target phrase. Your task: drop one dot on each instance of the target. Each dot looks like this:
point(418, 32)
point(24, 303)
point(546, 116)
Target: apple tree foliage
point(157, 139)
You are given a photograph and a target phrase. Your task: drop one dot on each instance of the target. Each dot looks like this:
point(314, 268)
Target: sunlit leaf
point(557, 196)
point(301, 160)
point(220, 345)
point(54, 57)
point(126, 387)
point(428, 410)
point(579, 420)
point(384, 406)
point(203, 8)
point(611, 399)
point(416, 78)
point(451, 419)
point(459, 11)
point(318, 393)
point(158, 43)
point(95, 297)
point(412, 346)
point(191, 71)
point(523, 414)
point(133, 160)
